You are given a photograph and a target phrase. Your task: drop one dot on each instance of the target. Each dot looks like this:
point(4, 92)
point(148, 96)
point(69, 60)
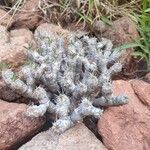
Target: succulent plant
point(68, 77)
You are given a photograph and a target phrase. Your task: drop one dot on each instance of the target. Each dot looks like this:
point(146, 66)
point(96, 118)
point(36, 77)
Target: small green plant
point(141, 45)
point(143, 26)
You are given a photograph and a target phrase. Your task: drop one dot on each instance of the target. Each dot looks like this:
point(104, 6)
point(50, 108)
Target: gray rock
point(76, 138)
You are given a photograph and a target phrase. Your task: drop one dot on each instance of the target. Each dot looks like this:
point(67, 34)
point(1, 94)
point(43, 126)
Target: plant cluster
point(142, 44)
point(70, 78)
point(89, 10)
point(143, 26)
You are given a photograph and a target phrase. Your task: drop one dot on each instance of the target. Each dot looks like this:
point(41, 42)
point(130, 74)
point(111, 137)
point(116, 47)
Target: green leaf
point(145, 4)
point(125, 46)
point(145, 50)
point(147, 10)
point(106, 20)
point(134, 18)
point(84, 17)
point(140, 54)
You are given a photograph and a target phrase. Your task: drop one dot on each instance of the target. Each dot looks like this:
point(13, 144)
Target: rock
point(4, 35)
point(13, 53)
point(12, 45)
point(147, 77)
point(74, 27)
point(99, 27)
point(126, 127)
point(6, 93)
point(5, 18)
point(76, 138)
point(54, 31)
point(21, 37)
point(29, 15)
point(142, 90)
point(122, 31)
point(15, 127)
point(49, 30)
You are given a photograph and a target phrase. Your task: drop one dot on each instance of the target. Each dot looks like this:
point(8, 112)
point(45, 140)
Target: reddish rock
point(5, 18)
point(15, 127)
point(99, 27)
point(122, 31)
point(76, 138)
point(13, 54)
point(29, 16)
point(74, 27)
point(142, 90)
point(49, 30)
point(126, 127)
point(6, 93)
point(4, 35)
point(21, 37)
point(12, 45)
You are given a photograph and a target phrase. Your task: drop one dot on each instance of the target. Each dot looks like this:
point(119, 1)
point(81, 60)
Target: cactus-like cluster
point(70, 78)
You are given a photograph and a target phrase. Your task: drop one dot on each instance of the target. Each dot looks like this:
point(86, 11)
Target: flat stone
point(76, 138)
